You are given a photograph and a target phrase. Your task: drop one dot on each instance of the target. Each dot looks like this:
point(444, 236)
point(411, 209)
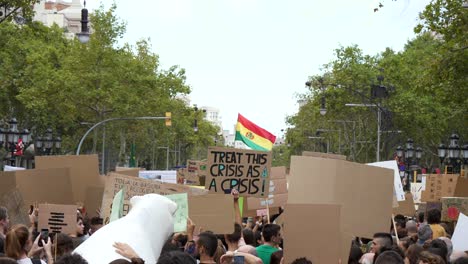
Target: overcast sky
point(254, 56)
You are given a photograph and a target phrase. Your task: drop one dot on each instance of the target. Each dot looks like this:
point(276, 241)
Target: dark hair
point(462, 260)
point(176, 257)
point(355, 254)
point(421, 217)
point(258, 237)
point(15, 241)
point(413, 253)
point(388, 240)
point(120, 261)
point(400, 220)
point(5, 260)
point(96, 220)
point(3, 213)
point(438, 247)
point(71, 259)
point(270, 230)
point(433, 216)
point(301, 261)
point(169, 246)
point(389, 257)
point(406, 242)
point(64, 244)
point(430, 258)
point(249, 237)
point(209, 241)
point(236, 236)
point(276, 257)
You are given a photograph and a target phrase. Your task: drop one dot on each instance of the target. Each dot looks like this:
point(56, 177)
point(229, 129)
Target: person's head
point(95, 224)
point(5, 260)
point(412, 254)
point(428, 258)
point(4, 220)
point(433, 216)
point(405, 243)
point(438, 247)
point(449, 245)
point(462, 260)
point(301, 261)
point(17, 242)
point(355, 254)
point(258, 238)
point(236, 236)
point(248, 249)
point(276, 257)
point(79, 226)
point(272, 233)
point(71, 259)
point(424, 234)
point(207, 244)
point(249, 237)
point(176, 257)
point(421, 217)
point(389, 257)
point(381, 240)
point(64, 244)
point(412, 227)
point(400, 221)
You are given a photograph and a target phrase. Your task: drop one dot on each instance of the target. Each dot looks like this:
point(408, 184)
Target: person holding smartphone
point(19, 246)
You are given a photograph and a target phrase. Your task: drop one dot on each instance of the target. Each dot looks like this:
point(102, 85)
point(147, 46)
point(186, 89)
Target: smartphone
point(44, 236)
point(239, 260)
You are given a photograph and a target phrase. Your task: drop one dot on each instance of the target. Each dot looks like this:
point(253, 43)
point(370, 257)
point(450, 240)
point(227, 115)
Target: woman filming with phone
point(20, 246)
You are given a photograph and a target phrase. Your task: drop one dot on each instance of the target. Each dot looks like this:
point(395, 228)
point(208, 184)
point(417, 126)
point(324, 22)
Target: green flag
point(117, 205)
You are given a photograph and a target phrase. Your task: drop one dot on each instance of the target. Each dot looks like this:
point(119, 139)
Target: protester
point(5, 260)
point(206, 246)
point(271, 234)
point(438, 247)
point(433, 219)
point(424, 234)
point(301, 261)
point(232, 240)
point(95, 224)
point(429, 258)
point(355, 254)
point(71, 259)
point(389, 257)
point(4, 224)
point(19, 246)
point(63, 244)
point(449, 245)
point(276, 257)
point(176, 257)
point(77, 236)
point(249, 237)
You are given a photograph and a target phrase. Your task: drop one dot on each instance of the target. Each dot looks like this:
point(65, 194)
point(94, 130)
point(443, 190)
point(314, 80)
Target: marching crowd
point(422, 240)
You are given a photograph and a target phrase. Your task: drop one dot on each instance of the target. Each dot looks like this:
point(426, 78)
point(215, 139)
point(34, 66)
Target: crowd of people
point(420, 240)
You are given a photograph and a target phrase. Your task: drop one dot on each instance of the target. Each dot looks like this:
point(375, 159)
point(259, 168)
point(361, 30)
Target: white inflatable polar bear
point(145, 228)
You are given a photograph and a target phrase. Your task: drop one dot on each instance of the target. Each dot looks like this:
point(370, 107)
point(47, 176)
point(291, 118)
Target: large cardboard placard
point(397, 186)
point(323, 155)
point(406, 207)
point(453, 206)
point(278, 196)
point(195, 170)
point(462, 187)
point(128, 171)
point(320, 241)
point(416, 191)
point(93, 201)
point(212, 212)
point(365, 192)
point(248, 171)
point(39, 185)
point(57, 218)
point(12, 200)
point(84, 172)
point(438, 186)
point(138, 186)
point(278, 172)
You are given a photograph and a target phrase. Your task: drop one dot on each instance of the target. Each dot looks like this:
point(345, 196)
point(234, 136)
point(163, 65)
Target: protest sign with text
point(248, 171)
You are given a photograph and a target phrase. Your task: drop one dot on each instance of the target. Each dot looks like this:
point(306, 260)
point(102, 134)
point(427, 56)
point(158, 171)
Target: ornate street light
point(452, 153)
point(47, 144)
point(83, 36)
point(10, 138)
point(399, 152)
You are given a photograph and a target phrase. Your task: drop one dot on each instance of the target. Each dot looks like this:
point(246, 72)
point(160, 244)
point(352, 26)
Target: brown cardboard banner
point(438, 186)
point(138, 186)
point(406, 207)
point(84, 172)
point(278, 173)
point(134, 172)
point(320, 241)
point(323, 155)
point(93, 201)
point(195, 170)
point(462, 188)
point(57, 218)
point(39, 185)
point(365, 192)
point(453, 206)
point(12, 200)
point(248, 171)
point(212, 212)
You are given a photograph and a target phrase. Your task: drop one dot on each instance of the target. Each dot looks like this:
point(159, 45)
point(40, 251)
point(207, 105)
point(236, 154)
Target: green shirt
point(264, 252)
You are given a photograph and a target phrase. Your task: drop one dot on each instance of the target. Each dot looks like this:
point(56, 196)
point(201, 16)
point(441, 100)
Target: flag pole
point(268, 210)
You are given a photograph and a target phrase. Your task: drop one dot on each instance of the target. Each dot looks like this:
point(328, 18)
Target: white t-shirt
point(27, 261)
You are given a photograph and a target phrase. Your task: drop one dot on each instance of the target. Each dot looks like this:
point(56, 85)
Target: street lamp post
point(47, 144)
point(10, 140)
point(410, 158)
point(452, 154)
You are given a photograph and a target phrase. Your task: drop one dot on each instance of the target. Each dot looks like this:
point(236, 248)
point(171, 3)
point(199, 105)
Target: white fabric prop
point(145, 228)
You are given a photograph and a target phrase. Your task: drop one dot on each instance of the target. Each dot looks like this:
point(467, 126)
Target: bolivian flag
point(252, 135)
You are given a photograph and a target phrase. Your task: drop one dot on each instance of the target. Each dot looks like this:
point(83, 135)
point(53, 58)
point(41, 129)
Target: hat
point(424, 233)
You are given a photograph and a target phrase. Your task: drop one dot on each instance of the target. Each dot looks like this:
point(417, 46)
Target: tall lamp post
point(450, 157)
point(47, 144)
point(410, 157)
point(11, 137)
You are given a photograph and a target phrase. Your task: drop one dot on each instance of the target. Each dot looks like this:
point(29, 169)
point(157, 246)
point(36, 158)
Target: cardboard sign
point(406, 207)
point(57, 218)
point(17, 211)
point(452, 207)
point(195, 170)
point(365, 192)
point(212, 212)
point(84, 173)
point(134, 172)
point(323, 155)
point(169, 176)
point(248, 171)
point(93, 201)
point(262, 212)
point(278, 172)
point(319, 241)
point(278, 196)
point(438, 186)
point(180, 217)
point(397, 186)
point(462, 188)
point(138, 186)
point(416, 191)
point(460, 235)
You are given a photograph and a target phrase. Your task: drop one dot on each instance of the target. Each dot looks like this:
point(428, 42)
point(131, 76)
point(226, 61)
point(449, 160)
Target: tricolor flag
point(253, 136)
